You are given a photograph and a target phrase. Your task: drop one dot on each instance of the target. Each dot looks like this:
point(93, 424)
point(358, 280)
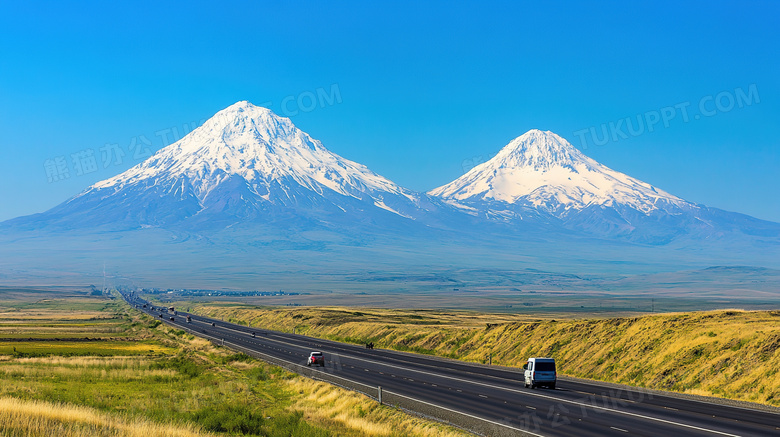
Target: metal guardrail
point(427, 410)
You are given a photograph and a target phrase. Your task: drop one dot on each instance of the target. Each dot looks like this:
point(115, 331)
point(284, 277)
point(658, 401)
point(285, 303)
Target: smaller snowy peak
point(543, 170)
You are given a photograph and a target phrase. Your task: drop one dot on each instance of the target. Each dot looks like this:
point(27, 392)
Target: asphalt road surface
point(496, 394)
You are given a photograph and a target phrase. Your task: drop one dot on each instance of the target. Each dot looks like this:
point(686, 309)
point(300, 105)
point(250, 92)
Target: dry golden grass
point(46, 419)
point(143, 380)
point(351, 414)
point(83, 348)
point(136, 373)
point(728, 353)
point(27, 315)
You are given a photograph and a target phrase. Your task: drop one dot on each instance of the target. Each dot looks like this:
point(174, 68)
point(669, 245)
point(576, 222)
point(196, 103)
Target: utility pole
point(104, 277)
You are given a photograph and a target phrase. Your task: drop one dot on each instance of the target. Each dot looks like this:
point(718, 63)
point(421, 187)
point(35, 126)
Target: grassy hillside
point(731, 354)
point(94, 366)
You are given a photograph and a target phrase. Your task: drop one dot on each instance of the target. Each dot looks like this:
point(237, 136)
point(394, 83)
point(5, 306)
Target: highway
point(496, 394)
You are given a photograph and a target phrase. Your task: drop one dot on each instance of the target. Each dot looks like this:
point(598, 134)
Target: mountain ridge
point(248, 166)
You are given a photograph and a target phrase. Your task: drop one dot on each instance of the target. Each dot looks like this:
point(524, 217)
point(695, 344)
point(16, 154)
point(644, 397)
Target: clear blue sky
point(423, 91)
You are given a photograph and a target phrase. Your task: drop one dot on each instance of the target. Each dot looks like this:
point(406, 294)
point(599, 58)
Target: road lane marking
point(525, 392)
point(469, 415)
point(618, 429)
point(529, 393)
point(438, 406)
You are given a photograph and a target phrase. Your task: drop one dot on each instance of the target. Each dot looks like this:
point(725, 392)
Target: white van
point(540, 372)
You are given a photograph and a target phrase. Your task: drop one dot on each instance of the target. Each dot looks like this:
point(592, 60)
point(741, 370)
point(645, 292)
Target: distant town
point(213, 293)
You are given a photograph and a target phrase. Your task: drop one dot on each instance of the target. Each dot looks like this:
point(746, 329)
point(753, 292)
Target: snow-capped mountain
point(545, 171)
point(541, 176)
point(253, 143)
point(243, 164)
point(249, 194)
point(251, 169)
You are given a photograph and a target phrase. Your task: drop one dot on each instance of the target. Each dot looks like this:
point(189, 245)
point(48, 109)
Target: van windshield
point(545, 366)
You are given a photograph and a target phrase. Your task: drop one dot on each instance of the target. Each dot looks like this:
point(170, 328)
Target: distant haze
point(249, 198)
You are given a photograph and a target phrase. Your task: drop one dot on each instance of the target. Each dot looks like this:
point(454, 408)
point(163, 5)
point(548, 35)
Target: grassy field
point(136, 376)
point(727, 353)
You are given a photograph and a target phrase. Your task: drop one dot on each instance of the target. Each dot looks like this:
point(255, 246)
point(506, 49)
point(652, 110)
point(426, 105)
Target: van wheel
point(533, 386)
point(525, 384)
point(552, 386)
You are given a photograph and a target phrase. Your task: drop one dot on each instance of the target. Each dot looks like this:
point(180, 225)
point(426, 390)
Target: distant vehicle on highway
point(539, 372)
point(189, 319)
point(316, 358)
point(172, 319)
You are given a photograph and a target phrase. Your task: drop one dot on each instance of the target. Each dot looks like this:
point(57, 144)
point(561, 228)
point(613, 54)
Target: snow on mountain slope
point(544, 171)
point(253, 143)
point(244, 166)
point(248, 170)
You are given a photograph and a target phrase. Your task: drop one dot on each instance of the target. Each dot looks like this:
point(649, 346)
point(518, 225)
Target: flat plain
point(78, 365)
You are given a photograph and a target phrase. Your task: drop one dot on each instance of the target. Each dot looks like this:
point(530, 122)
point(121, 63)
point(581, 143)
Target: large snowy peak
point(544, 171)
point(253, 143)
point(245, 164)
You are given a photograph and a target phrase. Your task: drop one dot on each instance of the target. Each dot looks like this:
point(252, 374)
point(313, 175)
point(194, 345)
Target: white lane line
point(618, 429)
point(525, 392)
point(472, 416)
point(626, 413)
point(483, 396)
point(436, 405)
